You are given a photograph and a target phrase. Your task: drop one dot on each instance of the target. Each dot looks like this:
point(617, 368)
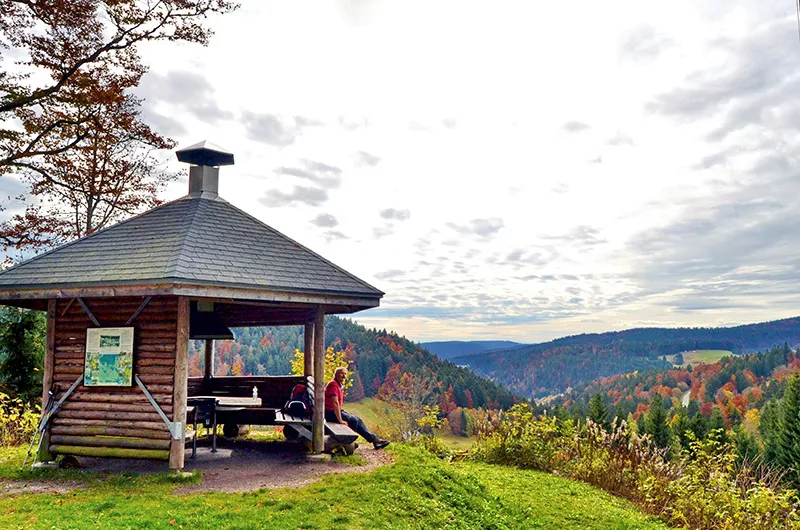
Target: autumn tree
point(67, 45)
point(108, 176)
point(65, 105)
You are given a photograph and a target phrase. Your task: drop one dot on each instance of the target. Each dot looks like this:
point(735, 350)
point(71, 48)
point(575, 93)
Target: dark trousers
point(354, 422)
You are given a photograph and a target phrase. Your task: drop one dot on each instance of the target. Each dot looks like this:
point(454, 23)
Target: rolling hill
point(553, 367)
point(458, 348)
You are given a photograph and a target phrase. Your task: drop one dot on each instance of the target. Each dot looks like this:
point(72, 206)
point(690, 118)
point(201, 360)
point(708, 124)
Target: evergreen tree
point(681, 428)
point(22, 342)
point(699, 426)
point(768, 428)
point(747, 449)
point(789, 430)
point(716, 425)
point(598, 412)
point(656, 422)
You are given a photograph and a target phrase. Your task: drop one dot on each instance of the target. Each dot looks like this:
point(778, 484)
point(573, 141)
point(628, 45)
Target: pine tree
point(699, 426)
point(656, 422)
point(789, 430)
point(716, 426)
point(22, 339)
point(681, 428)
point(768, 429)
point(598, 412)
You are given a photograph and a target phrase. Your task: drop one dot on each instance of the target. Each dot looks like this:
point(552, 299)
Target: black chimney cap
point(205, 153)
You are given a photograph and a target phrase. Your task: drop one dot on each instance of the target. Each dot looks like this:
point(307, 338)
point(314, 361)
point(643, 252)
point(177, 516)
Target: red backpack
point(300, 403)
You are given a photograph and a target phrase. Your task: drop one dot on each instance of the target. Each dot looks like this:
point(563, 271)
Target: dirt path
point(251, 466)
point(236, 467)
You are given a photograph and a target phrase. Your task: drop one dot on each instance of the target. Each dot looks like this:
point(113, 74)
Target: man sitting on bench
point(334, 399)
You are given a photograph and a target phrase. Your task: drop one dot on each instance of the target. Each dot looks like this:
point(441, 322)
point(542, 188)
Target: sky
point(512, 170)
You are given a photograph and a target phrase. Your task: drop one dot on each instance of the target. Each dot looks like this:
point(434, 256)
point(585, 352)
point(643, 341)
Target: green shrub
point(18, 420)
point(703, 489)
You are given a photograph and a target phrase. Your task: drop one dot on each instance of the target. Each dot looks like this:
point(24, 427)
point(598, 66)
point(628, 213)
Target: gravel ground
point(237, 466)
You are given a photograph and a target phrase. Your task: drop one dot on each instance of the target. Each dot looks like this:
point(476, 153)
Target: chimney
point(205, 159)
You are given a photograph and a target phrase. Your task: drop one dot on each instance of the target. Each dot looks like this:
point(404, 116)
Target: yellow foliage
point(333, 360)
point(17, 421)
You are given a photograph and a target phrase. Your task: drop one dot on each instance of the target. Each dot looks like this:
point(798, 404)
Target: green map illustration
point(108, 369)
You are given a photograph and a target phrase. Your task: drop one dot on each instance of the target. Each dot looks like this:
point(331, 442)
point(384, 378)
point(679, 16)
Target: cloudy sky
point(513, 170)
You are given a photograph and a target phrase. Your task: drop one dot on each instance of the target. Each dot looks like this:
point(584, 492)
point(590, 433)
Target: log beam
point(208, 372)
point(318, 420)
point(47, 376)
point(181, 382)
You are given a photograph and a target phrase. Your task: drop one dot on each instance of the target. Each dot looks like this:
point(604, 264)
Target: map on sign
point(109, 357)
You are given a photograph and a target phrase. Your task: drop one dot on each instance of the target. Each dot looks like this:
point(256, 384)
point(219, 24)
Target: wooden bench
point(336, 434)
point(273, 391)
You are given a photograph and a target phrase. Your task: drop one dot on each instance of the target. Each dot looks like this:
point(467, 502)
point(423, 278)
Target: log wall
point(115, 421)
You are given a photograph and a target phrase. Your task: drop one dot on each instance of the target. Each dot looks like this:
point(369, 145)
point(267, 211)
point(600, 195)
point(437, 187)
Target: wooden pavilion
point(190, 268)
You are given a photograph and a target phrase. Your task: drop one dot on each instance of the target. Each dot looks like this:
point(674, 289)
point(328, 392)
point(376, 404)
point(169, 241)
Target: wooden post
point(209, 360)
point(181, 382)
point(47, 377)
point(308, 352)
point(318, 421)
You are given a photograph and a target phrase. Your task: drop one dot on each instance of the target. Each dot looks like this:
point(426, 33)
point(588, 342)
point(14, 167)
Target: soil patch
point(253, 465)
point(18, 487)
point(243, 465)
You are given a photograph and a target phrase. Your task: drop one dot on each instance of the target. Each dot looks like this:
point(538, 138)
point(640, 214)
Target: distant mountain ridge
point(552, 367)
point(460, 348)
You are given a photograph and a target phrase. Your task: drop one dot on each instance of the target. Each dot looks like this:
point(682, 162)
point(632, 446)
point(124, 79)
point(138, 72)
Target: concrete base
point(45, 465)
point(317, 458)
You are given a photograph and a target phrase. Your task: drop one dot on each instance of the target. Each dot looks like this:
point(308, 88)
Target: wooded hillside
point(382, 362)
point(552, 367)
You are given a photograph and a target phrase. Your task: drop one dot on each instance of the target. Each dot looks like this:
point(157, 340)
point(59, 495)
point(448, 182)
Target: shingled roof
point(193, 241)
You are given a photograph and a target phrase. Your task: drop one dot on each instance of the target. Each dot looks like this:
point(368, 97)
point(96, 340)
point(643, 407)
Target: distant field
point(702, 356)
point(375, 412)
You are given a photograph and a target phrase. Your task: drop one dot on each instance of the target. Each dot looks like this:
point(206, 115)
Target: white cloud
point(513, 235)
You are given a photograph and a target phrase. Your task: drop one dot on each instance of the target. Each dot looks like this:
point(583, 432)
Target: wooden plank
point(342, 433)
point(69, 304)
point(100, 441)
point(104, 430)
point(180, 384)
point(138, 397)
point(119, 424)
point(145, 407)
point(170, 362)
point(109, 415)
point(89, 312)
point(118, 452)
point(318, 420)
point(139, 310)
point(347, 304)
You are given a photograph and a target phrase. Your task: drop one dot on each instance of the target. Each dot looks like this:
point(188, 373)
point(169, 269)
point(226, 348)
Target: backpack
point(300, 403)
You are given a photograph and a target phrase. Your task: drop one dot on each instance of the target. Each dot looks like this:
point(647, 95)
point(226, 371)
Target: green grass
point(702, 356)
point(374, 411)
point(418, 491)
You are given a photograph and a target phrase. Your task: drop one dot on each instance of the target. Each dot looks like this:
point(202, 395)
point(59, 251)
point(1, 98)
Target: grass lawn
point(703, 356)
point(374, 412)
point(418, 491)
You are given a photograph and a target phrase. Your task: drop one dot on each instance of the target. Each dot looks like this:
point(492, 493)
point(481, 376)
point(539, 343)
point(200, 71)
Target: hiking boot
point(380, 444)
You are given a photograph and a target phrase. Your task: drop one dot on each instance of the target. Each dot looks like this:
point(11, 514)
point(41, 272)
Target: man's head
point(340, 374)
